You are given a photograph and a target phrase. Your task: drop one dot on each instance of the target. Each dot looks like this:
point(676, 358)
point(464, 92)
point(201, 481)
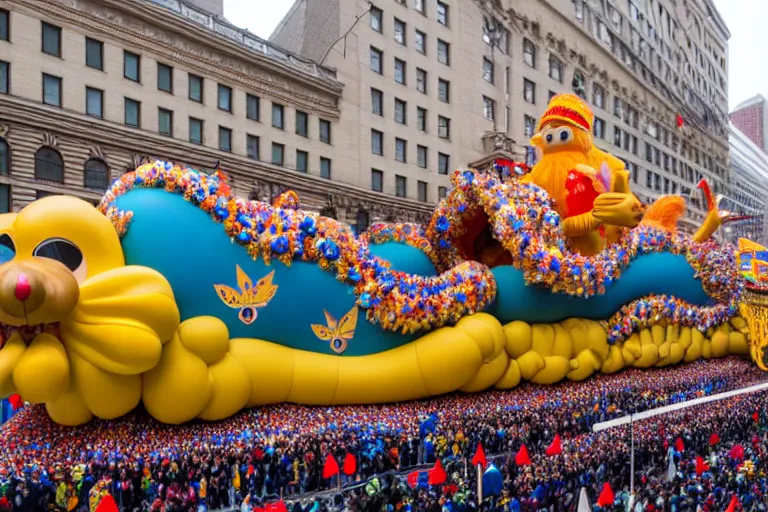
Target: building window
point(442, 13)
point(325, 168)
point(401, 150)
point(5, 25)
point(51, 90)
point(252, 107)
point(421, 119)
point(377, 142)
point(132, 112)
point(421, 81)
point(49, 165)
point(529, 91)
point(552, 94)
point(5, 77)
point(278, 153)
point(377, 180)
point(377, 102)
point(94, 102)
point(165, 122)
point(325, 131)
point(443, 127)
point(555, 69)
point(94, 54)
point(419, 6)
point(277, 115)
point(96, 174)
point(487, 70)
point(225, 98)
point(617, 136)
point(195, 130)
point(377, 17)
point(400, 31)
point(422, 156)
point(400, 111)
point(131, 66)
point(442, 192)
point(252, 146)
point(302, 161)
point(443, 163)
point(530, 125)
point(529, 52)
point(225, 139)
point(617, 107)
point(376, 58)
point(599, 128)
point(578, 85)
point(5, 157)
point(51, 39)
point(444, 90)
point(598, 95)
point(489, 108)
point(400, 71)
point(196, 88)
point(422, 191)
point(164, 78)
point(443, 52)
point(302, 123)
point(421, 42)
point(401, 186)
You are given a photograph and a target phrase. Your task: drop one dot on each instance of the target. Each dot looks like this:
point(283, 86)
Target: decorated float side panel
point(193, 252)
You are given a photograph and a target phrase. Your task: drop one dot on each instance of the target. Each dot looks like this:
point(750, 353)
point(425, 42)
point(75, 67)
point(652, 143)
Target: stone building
point(750, 117)
point(90, 88)
point(436, 81)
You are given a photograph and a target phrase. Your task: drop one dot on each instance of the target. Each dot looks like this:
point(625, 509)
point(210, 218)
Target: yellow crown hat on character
point(568, 109)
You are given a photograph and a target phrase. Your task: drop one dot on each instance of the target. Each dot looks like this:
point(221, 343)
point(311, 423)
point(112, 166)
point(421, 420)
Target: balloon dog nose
point(23, 289)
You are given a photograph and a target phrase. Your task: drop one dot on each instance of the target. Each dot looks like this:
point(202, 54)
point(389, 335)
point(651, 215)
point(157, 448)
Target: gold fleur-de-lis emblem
point(248, 298)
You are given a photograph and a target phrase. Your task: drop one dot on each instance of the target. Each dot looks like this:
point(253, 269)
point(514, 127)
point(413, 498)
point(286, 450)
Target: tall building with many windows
point(431, 82)
point(750, 117)
point(90, 88)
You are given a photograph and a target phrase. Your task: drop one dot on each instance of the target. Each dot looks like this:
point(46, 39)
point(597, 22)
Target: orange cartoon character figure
point(589, 187)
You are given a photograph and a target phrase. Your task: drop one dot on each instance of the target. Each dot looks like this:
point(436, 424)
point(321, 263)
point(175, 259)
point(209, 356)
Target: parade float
point(177, 295)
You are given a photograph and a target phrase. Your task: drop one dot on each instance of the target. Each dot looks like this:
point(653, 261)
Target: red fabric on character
point(581, 193)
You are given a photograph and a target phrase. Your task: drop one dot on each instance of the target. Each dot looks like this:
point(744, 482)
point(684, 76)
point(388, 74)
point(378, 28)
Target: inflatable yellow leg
point(615, 361)
point(650, 351)
point(69, 410)
point(589, 362)
point(694, 351)
point(106, 395)
point(10, 355)
point(42, 374)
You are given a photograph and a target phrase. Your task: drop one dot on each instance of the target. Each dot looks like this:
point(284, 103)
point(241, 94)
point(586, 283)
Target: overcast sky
point(746, 20)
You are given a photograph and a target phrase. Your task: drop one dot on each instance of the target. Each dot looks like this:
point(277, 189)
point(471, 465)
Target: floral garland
point(397, 301)
point(413, 235)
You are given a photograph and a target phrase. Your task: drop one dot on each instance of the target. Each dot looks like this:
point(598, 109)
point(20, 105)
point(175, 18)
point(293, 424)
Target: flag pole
point(479, 484)
point(632, 457)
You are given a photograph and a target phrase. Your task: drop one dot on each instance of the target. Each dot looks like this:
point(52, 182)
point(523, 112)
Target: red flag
point(679, 445)
point(331, 467)
point(413, 479)
point(701, 466)
point(107, 504)
point(350, 464)
point(680, 121)
point(733, 504)
point(522, 458)
point(479, 458)
point(437, 474)
point(606, 496)
point(714, 439)
point(555, 448)
point(15, 401)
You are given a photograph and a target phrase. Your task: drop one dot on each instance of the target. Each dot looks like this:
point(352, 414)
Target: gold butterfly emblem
point(249, 298)
point(337, 333)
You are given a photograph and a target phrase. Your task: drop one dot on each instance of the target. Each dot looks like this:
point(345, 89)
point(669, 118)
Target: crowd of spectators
point(278, 454)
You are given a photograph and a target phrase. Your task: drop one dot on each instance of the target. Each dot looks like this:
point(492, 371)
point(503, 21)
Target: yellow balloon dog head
point(80, 326)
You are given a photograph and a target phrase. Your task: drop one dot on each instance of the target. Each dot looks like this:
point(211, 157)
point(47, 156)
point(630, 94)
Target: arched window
point(49, 165)
point(96, 174)
point(362, 221)
point(5, 157)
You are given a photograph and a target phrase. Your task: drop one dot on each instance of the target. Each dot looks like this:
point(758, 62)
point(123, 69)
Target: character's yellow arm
point(580, 225)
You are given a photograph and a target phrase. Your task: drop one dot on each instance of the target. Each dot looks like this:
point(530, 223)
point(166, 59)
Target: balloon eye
point(7, 248)
point(62, 251)
point(549, 137)
point(565, 135)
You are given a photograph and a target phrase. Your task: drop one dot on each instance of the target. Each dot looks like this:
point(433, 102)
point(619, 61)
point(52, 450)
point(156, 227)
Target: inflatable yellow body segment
point(179, 296)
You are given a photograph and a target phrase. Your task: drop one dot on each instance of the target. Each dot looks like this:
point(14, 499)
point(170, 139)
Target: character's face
point(557, 136)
